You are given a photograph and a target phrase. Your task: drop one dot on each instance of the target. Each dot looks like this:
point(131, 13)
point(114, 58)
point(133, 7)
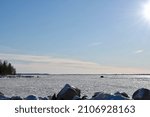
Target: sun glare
point(146, 11)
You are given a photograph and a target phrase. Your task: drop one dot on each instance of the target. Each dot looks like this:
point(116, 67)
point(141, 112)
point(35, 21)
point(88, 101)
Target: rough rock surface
point(105, 96)
point(68, 93)
point(141, 94)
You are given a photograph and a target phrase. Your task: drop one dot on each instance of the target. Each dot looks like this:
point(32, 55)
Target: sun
point(146, 11)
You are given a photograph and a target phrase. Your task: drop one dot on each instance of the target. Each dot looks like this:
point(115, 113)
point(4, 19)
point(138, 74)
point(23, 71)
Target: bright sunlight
point(146, 11)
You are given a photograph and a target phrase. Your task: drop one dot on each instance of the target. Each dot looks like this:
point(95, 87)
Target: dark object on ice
point(122, 94)
point(102, 76)
point(141, 94)
point(31, 97)
point(15, 98)
point(68, 93)
point(105, 96)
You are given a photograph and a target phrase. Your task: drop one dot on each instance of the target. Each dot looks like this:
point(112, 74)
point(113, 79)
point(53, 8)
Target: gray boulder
point(122, 94)
point(31, 97)
point(2, 97)
point(52, 97)
point(76, 98)
point(85, 97)
point(141, 94)
point(1, 94)
point(42, 98)
point(105, 96)
point(15, 98)
point(68, 93)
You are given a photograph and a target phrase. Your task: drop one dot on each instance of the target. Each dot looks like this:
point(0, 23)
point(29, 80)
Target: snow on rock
point(31, 97)
point(122, 94)
point(68, 92)
point(1, 94)
point(105, 96)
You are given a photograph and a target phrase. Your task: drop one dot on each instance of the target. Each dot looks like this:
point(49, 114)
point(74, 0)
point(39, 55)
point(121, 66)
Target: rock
point(2, 97)
point(105, 96)
point(16, 98)
point(141, 94)
point(42, 98)
point(68, 93)
point(76, 98)
point(54, 97)
point(122, 94)
point(85, 97)
point(31, 97)
point(99, 96)
point(1, 94)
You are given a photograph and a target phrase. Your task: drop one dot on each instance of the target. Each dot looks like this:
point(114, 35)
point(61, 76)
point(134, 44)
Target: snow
point(89, 84)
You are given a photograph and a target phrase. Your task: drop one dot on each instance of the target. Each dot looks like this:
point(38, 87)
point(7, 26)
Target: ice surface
point(89, 84)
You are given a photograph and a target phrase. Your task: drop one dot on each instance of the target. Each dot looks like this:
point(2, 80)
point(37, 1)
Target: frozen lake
point(50, 84)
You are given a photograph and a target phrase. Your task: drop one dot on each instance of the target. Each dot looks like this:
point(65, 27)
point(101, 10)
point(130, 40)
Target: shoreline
point(69, 92)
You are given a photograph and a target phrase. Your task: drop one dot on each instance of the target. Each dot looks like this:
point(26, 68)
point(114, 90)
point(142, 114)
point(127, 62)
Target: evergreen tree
point(6, 68)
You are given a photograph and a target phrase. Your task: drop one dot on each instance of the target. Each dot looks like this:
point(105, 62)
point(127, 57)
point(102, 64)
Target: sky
point(76, 36)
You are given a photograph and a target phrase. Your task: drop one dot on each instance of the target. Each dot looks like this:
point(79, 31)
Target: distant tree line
point(6, 68)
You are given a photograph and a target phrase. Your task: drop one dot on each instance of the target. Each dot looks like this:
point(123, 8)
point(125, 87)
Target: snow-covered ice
point(89, 84)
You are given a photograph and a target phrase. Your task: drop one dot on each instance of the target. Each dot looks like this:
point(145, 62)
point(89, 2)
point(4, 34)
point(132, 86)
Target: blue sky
point(81, 36)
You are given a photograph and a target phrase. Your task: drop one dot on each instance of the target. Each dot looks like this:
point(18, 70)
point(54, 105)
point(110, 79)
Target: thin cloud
point(47, 64)
point(41, 59)
point(139, 51)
